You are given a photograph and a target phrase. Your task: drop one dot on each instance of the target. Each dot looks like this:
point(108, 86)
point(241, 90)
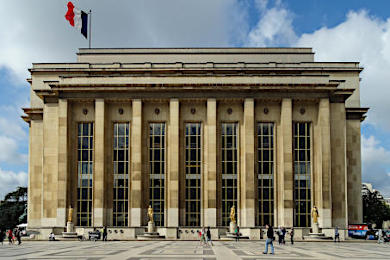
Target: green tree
point(13, 208)
point(375, 210)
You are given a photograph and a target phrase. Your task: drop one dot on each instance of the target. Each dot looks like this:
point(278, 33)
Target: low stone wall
point(182, 233)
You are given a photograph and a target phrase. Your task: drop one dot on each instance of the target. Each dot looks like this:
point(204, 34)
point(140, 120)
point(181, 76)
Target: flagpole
point(90, 25)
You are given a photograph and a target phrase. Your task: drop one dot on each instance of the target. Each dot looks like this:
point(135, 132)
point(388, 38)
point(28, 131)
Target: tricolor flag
point(78, 19)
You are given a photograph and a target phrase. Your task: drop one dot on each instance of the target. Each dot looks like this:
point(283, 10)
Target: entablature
point(356, 113)
point(32, 114)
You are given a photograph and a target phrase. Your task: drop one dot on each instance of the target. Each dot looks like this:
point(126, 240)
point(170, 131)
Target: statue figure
point(70, 214)
point(314, 214)
point(233, 214)
point(150, 213)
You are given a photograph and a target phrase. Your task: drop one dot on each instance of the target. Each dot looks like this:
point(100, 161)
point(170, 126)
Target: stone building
point(193, 132)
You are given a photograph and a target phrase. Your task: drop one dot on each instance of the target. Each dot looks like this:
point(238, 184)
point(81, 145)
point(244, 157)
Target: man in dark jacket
point(270, 238)
point(18, 236)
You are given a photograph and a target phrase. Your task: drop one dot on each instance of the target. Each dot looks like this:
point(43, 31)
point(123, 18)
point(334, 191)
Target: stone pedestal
point(315, 228)
point(151, 234)
point(150, 227)
point(232, 235)
point(316, 235)
point(69, 227)
point(232, 227)
point(69, 234)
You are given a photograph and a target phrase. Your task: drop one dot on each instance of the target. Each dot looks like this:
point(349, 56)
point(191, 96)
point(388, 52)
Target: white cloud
point(9, 180)
point(373, 152)
point(365, 39)
point(274, 27)
point(8, 127)
point(9, 152)
point(375, 164)
point(38, 32)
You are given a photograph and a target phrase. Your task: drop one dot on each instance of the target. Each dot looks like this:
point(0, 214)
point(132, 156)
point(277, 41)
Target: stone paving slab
point(190, 250)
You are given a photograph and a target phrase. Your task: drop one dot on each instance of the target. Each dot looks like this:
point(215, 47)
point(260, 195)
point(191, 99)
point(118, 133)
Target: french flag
point(78, 19)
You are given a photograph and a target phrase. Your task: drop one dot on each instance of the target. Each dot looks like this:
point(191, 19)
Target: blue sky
point(354, 30)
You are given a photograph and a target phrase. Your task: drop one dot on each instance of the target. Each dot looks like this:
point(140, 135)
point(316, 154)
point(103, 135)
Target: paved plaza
point(145, 250)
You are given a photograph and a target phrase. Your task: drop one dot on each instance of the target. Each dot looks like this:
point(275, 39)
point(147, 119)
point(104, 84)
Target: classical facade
point(193, 132)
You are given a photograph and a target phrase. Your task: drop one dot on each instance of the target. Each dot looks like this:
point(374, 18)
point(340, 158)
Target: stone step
point(316, 237)
point(150, 236)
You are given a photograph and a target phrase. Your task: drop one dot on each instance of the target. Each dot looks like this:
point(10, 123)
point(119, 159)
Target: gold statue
point(233, 214)
point(70, 214)
point(150, 213)
point(314, 214)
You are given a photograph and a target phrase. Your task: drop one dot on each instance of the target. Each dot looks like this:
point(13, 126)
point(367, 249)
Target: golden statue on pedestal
point(70, 214)
point(233, 214)
point(314, 214)
point(150, 213)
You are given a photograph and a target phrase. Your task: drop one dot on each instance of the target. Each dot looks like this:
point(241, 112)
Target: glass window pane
point(192, 167)
point(265, 149)
point(302, 189)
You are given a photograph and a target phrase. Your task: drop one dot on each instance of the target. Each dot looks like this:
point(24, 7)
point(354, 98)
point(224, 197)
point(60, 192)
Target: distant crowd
point(12, 235)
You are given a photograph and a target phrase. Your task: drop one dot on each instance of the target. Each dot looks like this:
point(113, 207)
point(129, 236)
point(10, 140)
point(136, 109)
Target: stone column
point(136, 165)
point(35, 191)
point(286, 165)
point(210, 178)
point(322, 161)
point(339, 165)
point(98, 178)
point(62, 162)
point(173, 165)
point(248, 187)
point(50, 165)
point(355, 203)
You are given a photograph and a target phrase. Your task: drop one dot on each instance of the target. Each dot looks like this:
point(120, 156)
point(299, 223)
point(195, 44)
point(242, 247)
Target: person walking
point(280, 235)
point(292, 236)
point(204, 237)
point(380, 236)
point(105, 233)
point(237, 233)
point(336, 234)
point(208, 236)
point(18, 236)
point(284, 235)
point(270, 239)
point(10, 236)
point(2, 235)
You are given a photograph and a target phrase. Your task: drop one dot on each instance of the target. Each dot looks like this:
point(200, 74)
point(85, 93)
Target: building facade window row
point(84, 174)
point(229, 159)
point(121, 174)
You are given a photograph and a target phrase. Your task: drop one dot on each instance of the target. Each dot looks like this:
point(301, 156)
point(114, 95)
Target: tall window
point(193, 162)
point(229, 170)
point(302, 179)
point(84, 174)
point(157, 170)
point(265, 173)
point(121, 174)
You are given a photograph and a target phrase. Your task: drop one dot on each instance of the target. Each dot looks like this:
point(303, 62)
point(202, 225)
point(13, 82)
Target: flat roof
point(286, 50)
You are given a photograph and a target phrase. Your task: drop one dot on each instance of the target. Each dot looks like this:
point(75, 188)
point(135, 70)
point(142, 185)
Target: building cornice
point(356, 113)
point(200, 68)
point(32, 114)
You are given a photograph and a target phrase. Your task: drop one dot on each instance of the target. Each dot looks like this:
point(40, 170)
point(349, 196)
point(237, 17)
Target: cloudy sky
point(348, 30)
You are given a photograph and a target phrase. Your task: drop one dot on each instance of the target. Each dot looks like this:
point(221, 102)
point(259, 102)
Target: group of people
point(281, 232)
point(12, 235)
point(382, 236)
point(205, 237)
